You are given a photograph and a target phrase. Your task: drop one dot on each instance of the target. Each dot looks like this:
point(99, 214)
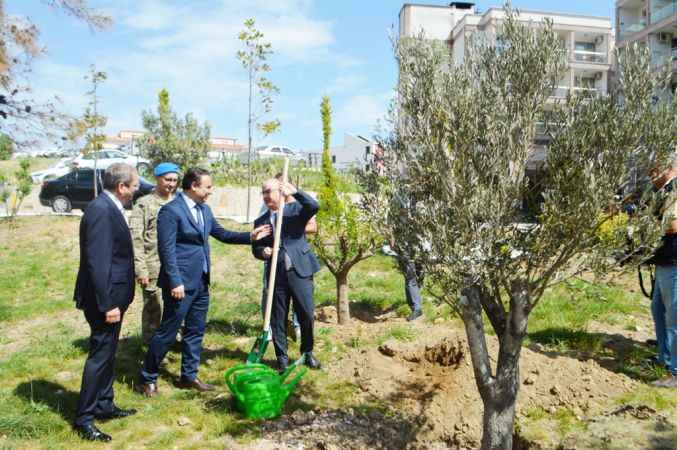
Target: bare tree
point(254, 57)
point(461, 140)
point(22, 117)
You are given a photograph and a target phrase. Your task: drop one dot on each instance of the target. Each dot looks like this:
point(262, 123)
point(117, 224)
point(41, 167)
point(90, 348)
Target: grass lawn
point(41, 376)
point(43, 345)
point(9, 167)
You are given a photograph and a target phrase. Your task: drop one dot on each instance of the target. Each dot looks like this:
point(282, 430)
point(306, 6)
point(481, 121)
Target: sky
point(339, 48)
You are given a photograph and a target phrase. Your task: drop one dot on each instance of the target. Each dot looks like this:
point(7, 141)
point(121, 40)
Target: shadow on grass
point(128, 358)
point(81, 344)
point(614, 352)
point(365, 311)
point(52, 395)
point(236, 327)
point(665, 437)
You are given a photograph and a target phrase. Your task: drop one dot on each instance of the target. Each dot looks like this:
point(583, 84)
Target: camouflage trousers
point(151, 314)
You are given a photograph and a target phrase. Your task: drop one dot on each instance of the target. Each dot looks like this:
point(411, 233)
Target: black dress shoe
point(116, 413)
point(92, 433)
point(282, 367)
point(312, 362)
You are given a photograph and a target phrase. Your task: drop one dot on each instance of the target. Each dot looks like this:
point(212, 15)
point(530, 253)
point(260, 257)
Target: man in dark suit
point(296, 265)
point(184, 226)
point(103, 290)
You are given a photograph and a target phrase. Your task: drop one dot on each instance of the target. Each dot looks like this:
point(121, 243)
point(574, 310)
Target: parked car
point(272, 151)
point(76, 189)
point(61, 167)
point(105, 158)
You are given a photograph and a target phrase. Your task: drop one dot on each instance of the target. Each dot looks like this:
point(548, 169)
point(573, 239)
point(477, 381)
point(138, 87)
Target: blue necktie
point(201, 227)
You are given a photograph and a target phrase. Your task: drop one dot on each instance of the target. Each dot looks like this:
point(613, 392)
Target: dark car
point(76, 189)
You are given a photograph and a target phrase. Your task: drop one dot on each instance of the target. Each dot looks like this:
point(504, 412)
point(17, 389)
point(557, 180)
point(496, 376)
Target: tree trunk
point(499, 392)
point(498, 419)
point(342, 303)
point(249, 142)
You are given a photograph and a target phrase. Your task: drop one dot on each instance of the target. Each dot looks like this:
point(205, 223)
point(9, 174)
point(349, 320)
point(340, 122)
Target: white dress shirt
point(193, 210)
point(118, 203)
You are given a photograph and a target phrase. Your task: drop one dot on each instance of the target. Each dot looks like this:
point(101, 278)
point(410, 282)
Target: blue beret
point(164, 168)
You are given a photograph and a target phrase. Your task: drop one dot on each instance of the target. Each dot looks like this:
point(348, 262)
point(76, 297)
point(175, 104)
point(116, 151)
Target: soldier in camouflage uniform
point(143, 225)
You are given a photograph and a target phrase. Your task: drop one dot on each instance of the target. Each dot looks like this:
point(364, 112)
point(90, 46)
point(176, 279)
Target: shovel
point(261, 344)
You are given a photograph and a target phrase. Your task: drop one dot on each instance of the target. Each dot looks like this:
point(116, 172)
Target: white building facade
point(589, 41)
point(652, 23)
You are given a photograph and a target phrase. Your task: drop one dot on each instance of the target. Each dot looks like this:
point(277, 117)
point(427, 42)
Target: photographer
point(664, 301)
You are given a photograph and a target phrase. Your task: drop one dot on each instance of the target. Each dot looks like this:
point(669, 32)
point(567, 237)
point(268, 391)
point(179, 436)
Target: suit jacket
point(183, 247)
point(106, 275)
point(293, 234)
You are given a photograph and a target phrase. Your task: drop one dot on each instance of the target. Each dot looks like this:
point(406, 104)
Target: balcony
point(660, 58)
point(590, 56)
point(588, 91)
point(664, 10)
point(627, 30)
point(561, 92)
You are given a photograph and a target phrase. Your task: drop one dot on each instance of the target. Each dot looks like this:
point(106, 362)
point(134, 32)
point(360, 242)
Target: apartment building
point(589, 41)
point(652, 23)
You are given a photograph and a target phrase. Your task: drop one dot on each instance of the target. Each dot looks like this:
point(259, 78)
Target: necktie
point(200, 224)
point(201, 227)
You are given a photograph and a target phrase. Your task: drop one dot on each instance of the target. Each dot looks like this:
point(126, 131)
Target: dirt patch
point(340, 430)
point(431, 382)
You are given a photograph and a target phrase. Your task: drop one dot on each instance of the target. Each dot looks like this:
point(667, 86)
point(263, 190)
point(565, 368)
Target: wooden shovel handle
point(276, 251)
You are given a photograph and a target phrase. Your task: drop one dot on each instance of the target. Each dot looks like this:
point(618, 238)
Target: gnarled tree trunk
point(498, 392)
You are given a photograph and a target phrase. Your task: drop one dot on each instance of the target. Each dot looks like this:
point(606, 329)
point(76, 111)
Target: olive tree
point(462, 136)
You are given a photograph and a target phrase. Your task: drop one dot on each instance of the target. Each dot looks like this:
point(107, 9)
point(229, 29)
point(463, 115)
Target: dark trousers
point(290, 286)
point(96, 392)
point(192, 310)
point(413, 280)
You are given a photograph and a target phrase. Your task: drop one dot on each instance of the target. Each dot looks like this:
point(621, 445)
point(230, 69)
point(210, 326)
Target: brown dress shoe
point(195, 384)
point(147, 389)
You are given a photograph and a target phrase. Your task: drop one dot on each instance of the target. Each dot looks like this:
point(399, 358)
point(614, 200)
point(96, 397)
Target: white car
point(272, 151)
point(106, 158)
point(61, 167)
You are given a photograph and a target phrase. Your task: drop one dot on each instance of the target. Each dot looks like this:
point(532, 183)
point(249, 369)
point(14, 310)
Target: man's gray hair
point(118, 173)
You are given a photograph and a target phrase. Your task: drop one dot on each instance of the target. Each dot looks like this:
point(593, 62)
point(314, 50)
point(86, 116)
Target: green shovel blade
point(259, 348)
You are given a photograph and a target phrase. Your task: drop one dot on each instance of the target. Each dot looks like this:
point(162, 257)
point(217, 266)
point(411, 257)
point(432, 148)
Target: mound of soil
point(431, 385)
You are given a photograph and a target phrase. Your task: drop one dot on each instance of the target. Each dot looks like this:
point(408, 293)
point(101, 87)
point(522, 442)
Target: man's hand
point(288, 189)
point(178, 292)
point(143, 281)
point(261, 232)
point(113, 316)
point(267, 252)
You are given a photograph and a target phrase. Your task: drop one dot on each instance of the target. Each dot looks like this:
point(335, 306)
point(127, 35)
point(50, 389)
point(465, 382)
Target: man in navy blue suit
point(184, 226)
point(296, 265)
point(103, 290)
